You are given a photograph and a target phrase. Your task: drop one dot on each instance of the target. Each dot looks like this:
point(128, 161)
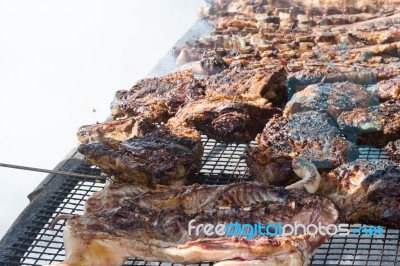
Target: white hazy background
point(59, 60)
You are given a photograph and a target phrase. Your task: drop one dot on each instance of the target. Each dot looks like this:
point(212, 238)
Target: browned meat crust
point(349, 36)
point(156, 99)
point(118, 130)
point(156, 156)
point(334, 98)
point(225, 120)
point(365, 192)
point(153, 225)
point(262, 85)
point(389, 89)
point(313, 135)
point(393, 149)
point(361, 121)
point(376, 126)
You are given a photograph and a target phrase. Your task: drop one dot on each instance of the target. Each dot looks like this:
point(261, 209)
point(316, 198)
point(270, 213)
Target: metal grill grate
point(222, 163)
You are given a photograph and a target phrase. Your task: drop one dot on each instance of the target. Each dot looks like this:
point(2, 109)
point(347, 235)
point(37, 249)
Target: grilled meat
point(389, 89)
point(375, 126)
point(313, 72)
point(200, 61)
point(312, 135)
point(118, 130)
point(254, 47)
point(356, 34)
point(262, 85)
point(334, 98)
point(154, 225)
point(365, 192)
point(156, 99)
point(157, 155)
point(225, 120)
point(393, 149)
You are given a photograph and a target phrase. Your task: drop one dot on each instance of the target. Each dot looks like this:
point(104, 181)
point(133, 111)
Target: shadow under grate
point(222, 163)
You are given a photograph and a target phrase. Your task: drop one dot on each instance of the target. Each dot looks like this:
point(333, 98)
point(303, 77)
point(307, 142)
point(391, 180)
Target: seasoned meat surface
point(365, 192)
point(340, 62)
point(261, 85)
point(156, 99)
point(225, 120)
point(118, 130)
point(360, 121)
point(155, 225)
point(332, 97)
point(159, 155)
point(375, 126)
point(393, 149)
point(389, 89)
point(313, 135)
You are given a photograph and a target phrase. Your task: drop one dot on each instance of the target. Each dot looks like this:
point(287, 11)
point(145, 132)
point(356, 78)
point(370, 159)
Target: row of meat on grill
point(323, 122)
point(304, 84)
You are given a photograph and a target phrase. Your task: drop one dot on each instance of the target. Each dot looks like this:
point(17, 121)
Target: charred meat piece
point(159, 156)
point(310, 135)
point(375, 126)
point(332, 97)
point(393, 149)
point(118, 130)
point(389, 89)
point(365, 192)
point(156, 99)
point(158, 225)
point(261, 85)
point(364, 53)
point(308, 75)
point(316, 71)
point(360, 121)
point(225, 120)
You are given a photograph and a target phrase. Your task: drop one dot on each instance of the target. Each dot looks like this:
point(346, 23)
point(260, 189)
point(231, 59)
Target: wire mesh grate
point(222, 163)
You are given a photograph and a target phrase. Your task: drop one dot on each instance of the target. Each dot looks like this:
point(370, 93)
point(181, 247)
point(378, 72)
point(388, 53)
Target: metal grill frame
point(30, 242)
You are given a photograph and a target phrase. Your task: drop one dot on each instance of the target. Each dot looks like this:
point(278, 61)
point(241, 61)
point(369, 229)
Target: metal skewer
point(97, 177)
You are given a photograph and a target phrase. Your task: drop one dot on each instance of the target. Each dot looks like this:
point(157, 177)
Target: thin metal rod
point(50, 171)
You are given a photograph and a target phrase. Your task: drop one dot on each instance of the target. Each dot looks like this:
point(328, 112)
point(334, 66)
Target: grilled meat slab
point(313, 135)
point(199, 61)
point(155, 156)
point(375, 126)
point(360, 121)
point(225, 120)
point(365, 192)
point(154, 225)
point(156, 99)
point(389, 89)
point(262, 85)
point(334, 98)
point(393, 149)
